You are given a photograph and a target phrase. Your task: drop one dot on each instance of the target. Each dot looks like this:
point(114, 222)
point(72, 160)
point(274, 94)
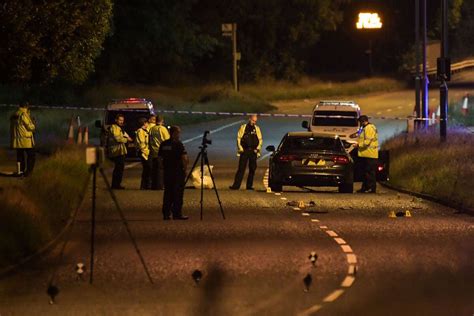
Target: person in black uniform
point(175, 162)
point(249, 145)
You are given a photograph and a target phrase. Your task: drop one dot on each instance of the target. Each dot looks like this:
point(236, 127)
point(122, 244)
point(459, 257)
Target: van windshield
point(335, 118)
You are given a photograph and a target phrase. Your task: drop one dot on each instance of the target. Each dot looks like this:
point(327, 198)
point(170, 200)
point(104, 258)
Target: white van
point(335, 118)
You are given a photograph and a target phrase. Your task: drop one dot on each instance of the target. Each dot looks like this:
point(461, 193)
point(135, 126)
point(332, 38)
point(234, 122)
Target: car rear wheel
point(346, 187)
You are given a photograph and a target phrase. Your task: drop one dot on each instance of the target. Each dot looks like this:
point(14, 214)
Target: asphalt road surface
point(254, 261)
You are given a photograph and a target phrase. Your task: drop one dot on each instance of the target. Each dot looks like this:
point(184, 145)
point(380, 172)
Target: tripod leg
point(214, 186)
point(202, 183)
point(72, 222)
point(125, 223)
point(192, 168)
point(94, 189)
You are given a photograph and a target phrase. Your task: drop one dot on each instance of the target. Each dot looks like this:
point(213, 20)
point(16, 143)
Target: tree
point(45, 40)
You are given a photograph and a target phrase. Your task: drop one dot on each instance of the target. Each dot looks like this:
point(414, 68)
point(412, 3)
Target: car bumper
point(313, 178)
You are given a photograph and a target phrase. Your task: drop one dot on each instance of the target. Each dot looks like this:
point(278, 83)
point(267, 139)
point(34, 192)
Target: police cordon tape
point(218, 113)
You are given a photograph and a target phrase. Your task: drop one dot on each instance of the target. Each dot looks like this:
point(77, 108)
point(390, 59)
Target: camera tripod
point(204, 160)
point(93, 174)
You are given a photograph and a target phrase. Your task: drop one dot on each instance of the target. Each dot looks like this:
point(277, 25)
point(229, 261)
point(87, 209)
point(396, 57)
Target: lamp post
point(369, 21)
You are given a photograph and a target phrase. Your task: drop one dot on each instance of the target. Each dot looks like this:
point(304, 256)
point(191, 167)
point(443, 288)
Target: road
point(255, 260)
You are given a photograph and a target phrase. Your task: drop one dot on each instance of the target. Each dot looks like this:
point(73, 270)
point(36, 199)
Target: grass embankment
point(35, 210)
point(420, 163)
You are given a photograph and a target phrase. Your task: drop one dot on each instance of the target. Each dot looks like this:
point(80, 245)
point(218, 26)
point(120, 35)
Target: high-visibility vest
point(116, 141)
point(240, 135)
point(22, 128)
point(142, 143)
point(368, 142)
point(158, 134)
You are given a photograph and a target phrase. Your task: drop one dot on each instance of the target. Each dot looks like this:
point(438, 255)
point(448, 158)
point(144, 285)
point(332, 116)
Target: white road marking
point(333, 296)
point(314, 220)
point(304, 214)
point(340, 241)
point(348, 281)
point(296, 209)
point(311, 310)
point(214, 131)
point(389, 110)
point(277, 193)
point(265, 156)
point(352, 269)
point(351, 258)
point(331, 233)
point(323, 227)
point(346, 248)
point(283, 198)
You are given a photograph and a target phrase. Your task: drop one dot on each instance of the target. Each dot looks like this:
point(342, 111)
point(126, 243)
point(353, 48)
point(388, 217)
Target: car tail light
point(287, 158)
point(340, 160)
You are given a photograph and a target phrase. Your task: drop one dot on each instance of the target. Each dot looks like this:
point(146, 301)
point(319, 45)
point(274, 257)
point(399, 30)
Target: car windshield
point(335, 118)
point(313, 143)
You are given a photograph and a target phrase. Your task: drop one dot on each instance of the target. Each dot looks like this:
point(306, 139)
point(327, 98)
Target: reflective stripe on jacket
point(22, 128)
point(158, 134)
point(116, 141)
point(241, 133)
point(142, 142)
point(368, 142)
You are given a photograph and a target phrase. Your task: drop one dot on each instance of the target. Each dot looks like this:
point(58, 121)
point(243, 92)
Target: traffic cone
point(392, 214)
point(301, 204)
point(407, 213)
point(70, 135)
point(85, 139)
point(79, 136)
point(269, 190)
point(465, 108)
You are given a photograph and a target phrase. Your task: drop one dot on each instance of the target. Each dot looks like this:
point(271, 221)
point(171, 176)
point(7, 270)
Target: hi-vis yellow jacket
point(116, 142)
point(22, 128)
point(142, 142)
point(158, 134)
point(240, 134)
point(369, 142)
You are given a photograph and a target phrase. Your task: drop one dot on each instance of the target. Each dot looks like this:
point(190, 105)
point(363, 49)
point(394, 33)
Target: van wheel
point(346, 187)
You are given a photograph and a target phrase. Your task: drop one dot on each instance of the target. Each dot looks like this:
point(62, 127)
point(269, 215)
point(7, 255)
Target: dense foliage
point(46, 40)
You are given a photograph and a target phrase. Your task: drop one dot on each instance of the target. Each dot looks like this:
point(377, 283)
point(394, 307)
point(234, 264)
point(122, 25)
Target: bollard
point(18, 167)
point(465, 108)
point(70, 135)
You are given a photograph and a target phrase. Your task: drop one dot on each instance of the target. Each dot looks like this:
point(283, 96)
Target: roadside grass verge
point(421, 163)
point(34, 210)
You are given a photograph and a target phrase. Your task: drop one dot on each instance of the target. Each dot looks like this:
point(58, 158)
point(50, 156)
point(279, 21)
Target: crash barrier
point(455, 67)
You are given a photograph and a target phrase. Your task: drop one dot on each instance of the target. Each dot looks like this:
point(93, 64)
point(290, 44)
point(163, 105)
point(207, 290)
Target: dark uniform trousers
point(117, 174)
point(247, 156)
point(156, 174)
point(146, 173)
point(173, 195)
point(370, 173)
point(26, 165)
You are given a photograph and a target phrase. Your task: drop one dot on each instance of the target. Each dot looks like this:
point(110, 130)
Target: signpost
point(230, 29)
point(369, 21)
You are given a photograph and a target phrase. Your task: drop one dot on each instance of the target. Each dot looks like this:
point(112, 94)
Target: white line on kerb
point(214, 131)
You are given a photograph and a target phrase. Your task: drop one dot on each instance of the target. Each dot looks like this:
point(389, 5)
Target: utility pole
point(444, 72)
point(425, 81)
point(417, 63)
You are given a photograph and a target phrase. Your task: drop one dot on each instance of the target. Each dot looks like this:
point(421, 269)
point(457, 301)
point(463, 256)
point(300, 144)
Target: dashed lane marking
point(304, 214)
point(283, 198)
point(213, 131)
point(331, 233)
point(296, 209)
point(311, 310)
point(352, 269)
point(348, 281)
point(323, 227)
point(351, 258)
point(346, 248)
point(314, 220)
point(340, 241)
point(333, 296)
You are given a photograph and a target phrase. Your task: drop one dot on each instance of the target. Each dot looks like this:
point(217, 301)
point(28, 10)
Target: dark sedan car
point(311, 159)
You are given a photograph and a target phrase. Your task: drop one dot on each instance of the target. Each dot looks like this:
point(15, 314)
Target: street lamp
point(369, 21)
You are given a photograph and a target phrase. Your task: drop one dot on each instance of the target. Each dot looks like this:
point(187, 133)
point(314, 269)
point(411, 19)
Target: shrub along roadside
point(421, 163)
point(36, 209)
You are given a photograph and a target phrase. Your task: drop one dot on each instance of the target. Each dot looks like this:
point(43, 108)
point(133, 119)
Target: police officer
point(158, 134)
point(249, 145)
point(143, 149)
point(22, 139)
point(151, 121)
point(117, 150)
point(368, 153)
point(175, 162)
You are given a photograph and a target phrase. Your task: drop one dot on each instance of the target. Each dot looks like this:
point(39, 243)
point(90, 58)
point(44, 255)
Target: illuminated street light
point(369, 21)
